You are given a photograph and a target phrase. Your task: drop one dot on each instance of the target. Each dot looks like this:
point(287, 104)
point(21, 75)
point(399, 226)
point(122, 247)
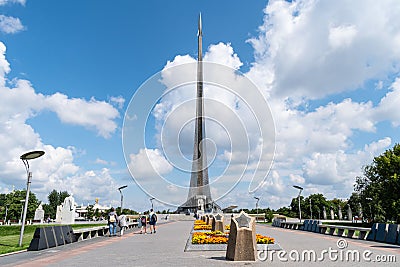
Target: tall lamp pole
point(22, 208)
point(300, 189)
point(151, 200)
point(122, 196)
point(310, 208)
point(25, 157)
point(5, 217)
point(370, 210)
point(258, 199)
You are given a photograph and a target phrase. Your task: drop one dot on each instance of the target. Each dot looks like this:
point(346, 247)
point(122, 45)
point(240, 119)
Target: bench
point(88, 233)
point(277, 222)
point(291, 225)
point(341, 229)
point(93, 232)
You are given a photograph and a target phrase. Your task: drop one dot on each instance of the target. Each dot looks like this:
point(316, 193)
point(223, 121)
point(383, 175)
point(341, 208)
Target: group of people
point(114, 220)
point(151, 219)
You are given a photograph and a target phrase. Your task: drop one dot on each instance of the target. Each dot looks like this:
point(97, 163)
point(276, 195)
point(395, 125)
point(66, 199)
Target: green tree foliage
point(318, 201)
point(379, 187)
point(14, 202)
point(287, 211)
point(90, 212)
point(269, 215)
point(55, 199)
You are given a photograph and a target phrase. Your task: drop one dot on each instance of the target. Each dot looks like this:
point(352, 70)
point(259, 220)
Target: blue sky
point(328, 72)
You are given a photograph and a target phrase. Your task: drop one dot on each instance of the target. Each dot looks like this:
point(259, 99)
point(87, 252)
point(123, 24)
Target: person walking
point(122, 224)
point(152, 221)
point(112, 222)
point(143, 221)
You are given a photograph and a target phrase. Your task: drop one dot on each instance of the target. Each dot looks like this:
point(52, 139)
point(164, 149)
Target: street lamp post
point(370, 210)
point(310, 208)
point(151, 200)
point(25, 157)
point(300, 189)
point(122, 197)
point(5, 217)
point(22, 208)
point(258, 199)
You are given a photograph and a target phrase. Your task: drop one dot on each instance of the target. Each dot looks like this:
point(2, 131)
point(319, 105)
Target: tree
point(269, 215)
point(286, 211)
point(90, 212)
point(318, 201)
point(379, 187)
point(55, 199)
point(14, 202)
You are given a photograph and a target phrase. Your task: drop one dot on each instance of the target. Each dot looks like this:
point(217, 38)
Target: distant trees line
point(12, 204)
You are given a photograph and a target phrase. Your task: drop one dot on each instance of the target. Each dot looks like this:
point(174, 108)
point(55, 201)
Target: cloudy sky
point(325, 73)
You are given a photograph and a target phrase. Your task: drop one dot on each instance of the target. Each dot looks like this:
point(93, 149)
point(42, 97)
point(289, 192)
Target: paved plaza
point(166, 248)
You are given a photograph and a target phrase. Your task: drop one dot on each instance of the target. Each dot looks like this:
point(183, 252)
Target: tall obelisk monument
point(199, 197)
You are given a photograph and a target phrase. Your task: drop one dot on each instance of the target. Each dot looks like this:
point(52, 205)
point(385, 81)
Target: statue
point(39, 214)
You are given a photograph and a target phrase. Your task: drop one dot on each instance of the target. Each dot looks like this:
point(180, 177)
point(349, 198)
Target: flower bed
point(215, 237)
point(202, 227)
point(261, 239)
point(218, 237)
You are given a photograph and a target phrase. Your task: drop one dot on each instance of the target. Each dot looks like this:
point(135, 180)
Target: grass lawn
point(9, 236)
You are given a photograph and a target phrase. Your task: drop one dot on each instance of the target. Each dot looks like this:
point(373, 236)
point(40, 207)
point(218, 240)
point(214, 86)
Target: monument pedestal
point(242, 244)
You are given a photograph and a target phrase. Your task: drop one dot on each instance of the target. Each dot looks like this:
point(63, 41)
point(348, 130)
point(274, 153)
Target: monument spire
point(199, 197)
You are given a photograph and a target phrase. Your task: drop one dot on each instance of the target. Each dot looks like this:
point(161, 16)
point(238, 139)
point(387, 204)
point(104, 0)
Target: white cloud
point(148, 163)
point(331, 168)
point(296, 179)
point(5, 2)
point(317, 48)
point(91, 114)
point(342, 36)
point(388, 108)
point(10, 24)
point(223, 54)
point(104, 162)
point(119, 101)
point(19, 102)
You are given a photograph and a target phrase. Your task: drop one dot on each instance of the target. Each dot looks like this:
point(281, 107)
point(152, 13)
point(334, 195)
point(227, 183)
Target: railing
point(340, 230)
point(380, 232)
point(93, 232)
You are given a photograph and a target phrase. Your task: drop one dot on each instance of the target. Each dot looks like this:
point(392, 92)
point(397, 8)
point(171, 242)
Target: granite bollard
point(242, 244)
point(211, 220)
point(218, 223)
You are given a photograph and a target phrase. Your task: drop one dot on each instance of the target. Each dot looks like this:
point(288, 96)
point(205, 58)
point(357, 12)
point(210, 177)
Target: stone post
point(211, 220)
point(218, 223)
point(242, 244)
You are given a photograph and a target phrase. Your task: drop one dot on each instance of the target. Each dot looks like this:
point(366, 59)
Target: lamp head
point(122, 187)
point(32, 155)
point(298, 187)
